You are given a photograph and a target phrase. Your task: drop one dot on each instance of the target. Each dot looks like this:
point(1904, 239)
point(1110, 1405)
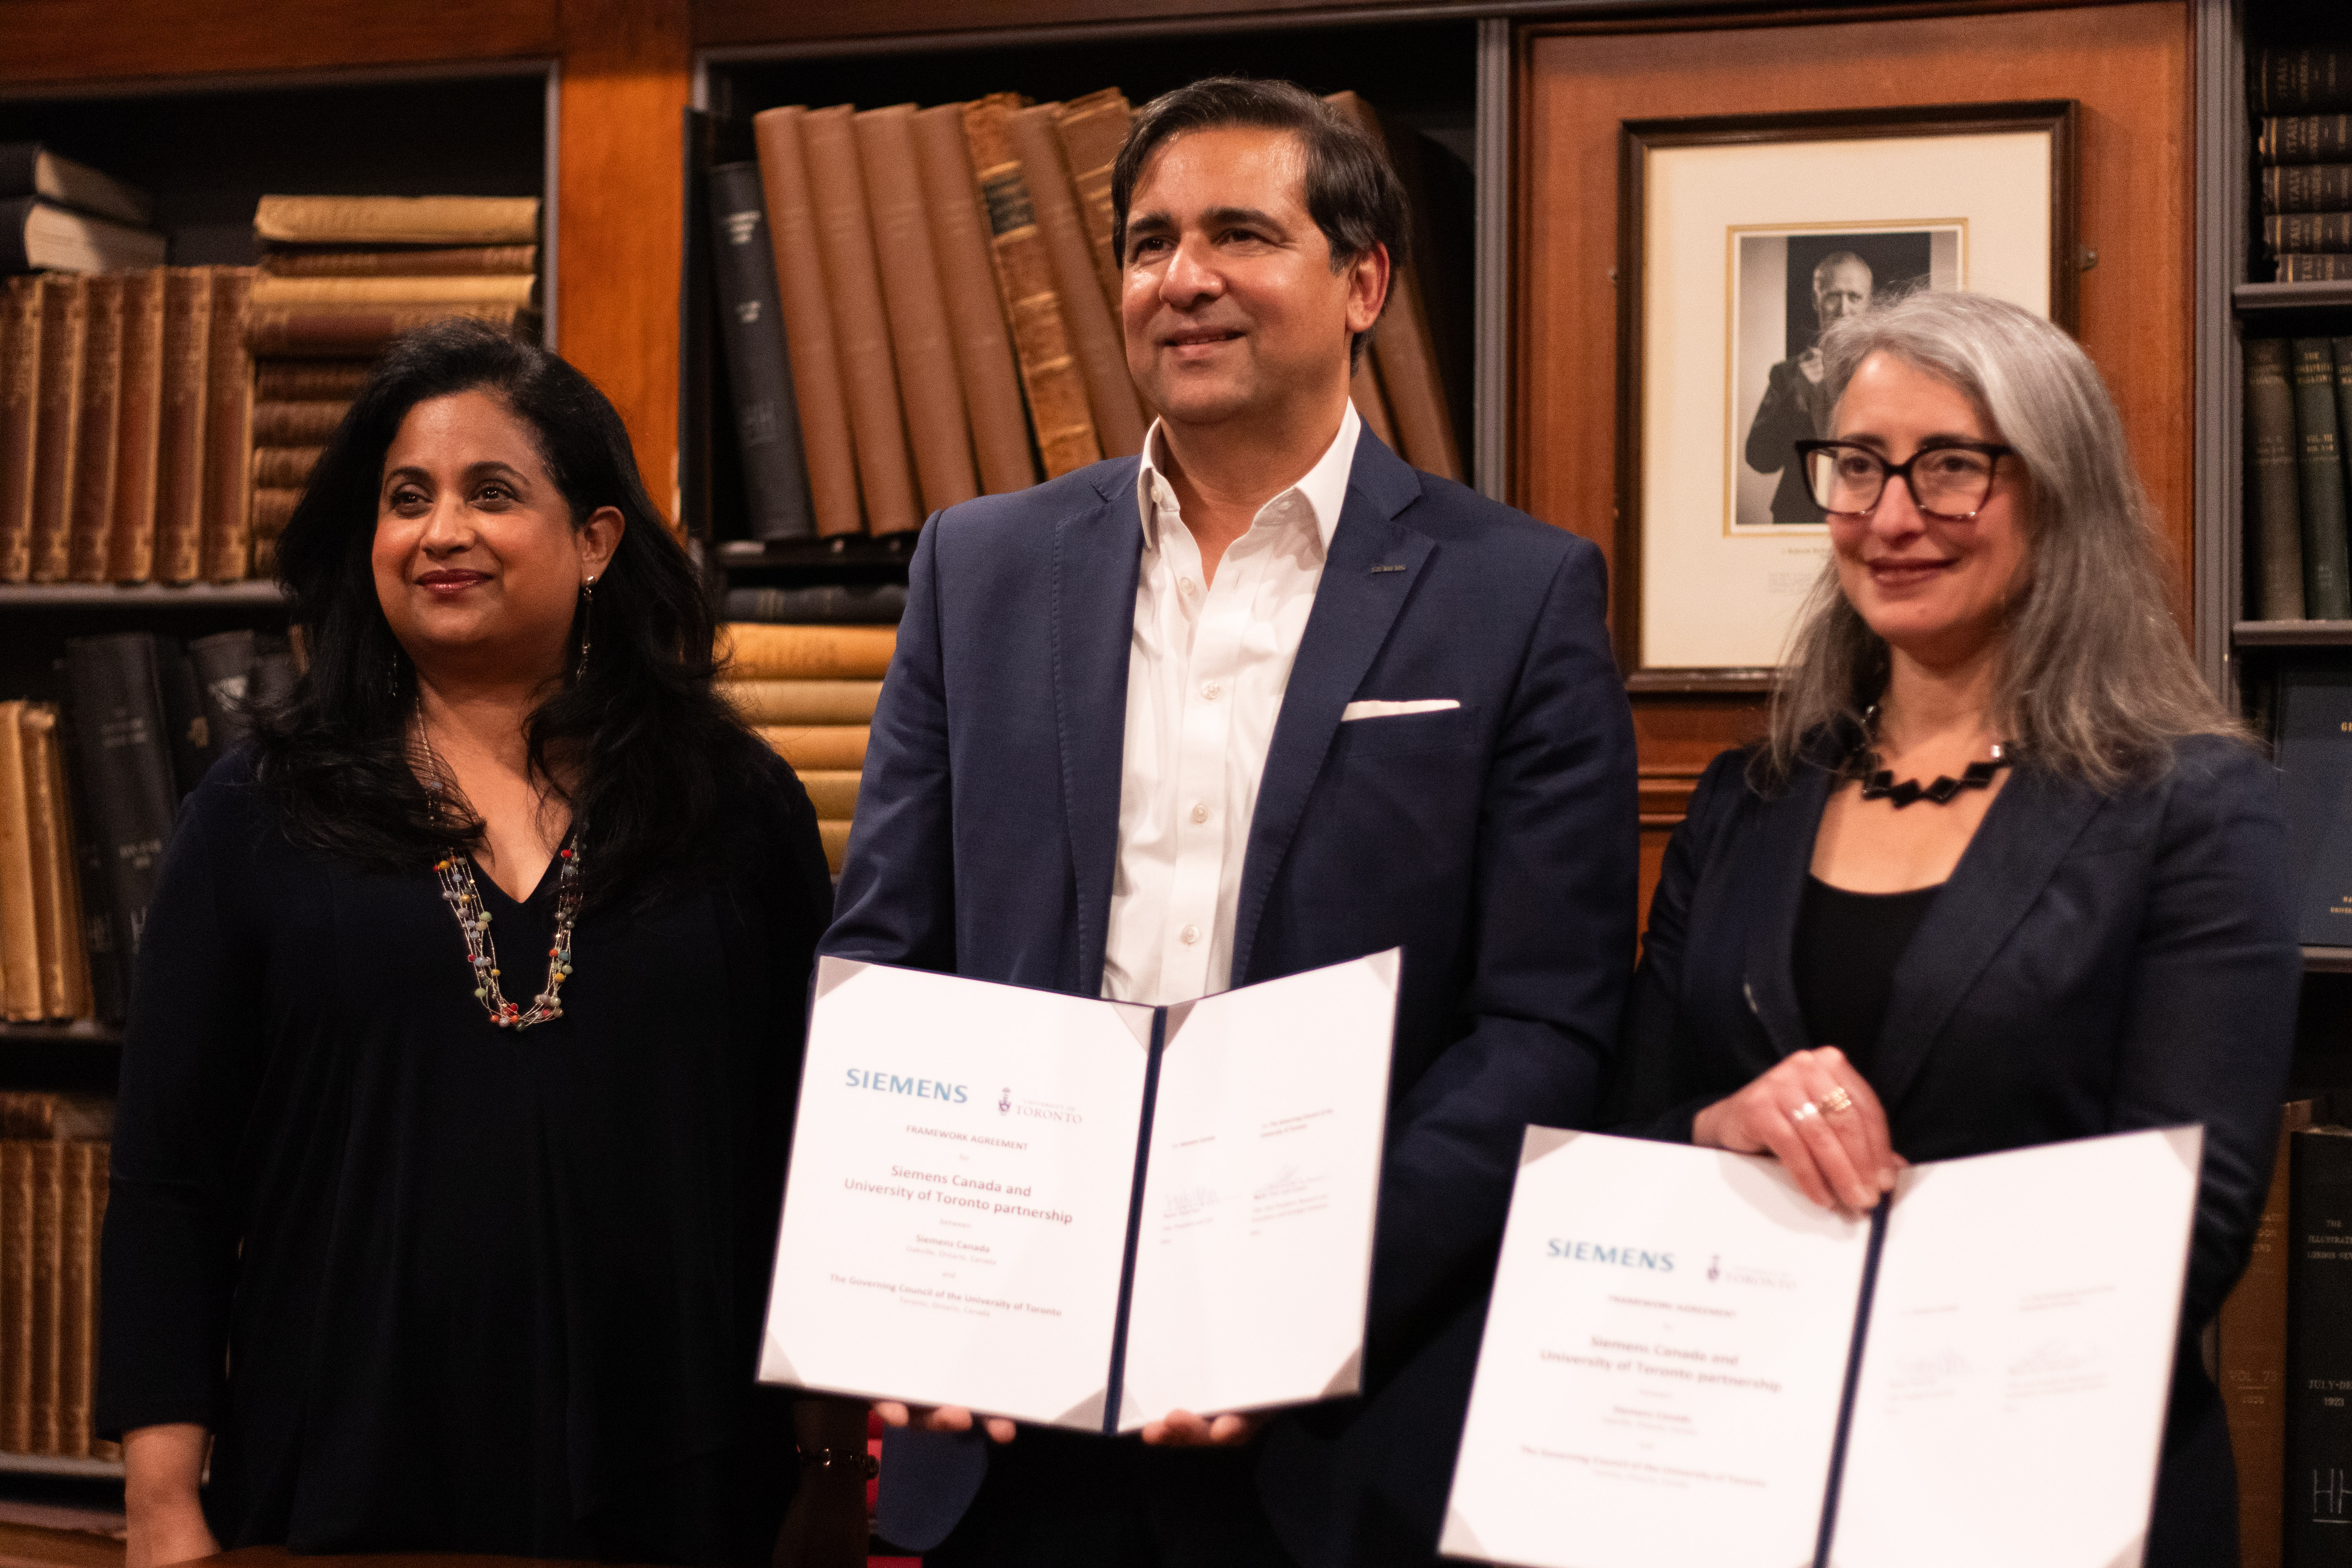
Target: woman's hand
point(162, 1468)
point(1182, 1429)
point(940, 1418)
point(1819, 1118)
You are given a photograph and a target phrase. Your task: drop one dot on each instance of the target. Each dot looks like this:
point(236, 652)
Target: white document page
point(1253, 1260)
point(956, 1216)
point(2018, 1358)
point(1664, 1357)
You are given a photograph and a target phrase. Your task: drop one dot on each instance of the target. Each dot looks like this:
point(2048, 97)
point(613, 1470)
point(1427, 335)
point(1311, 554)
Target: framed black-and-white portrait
point(1741, 239)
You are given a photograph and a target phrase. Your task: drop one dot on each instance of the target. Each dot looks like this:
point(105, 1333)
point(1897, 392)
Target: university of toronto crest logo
point(1004, 1103)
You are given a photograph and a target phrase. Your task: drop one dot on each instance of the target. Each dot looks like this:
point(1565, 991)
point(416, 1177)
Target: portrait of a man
point(1791, 287)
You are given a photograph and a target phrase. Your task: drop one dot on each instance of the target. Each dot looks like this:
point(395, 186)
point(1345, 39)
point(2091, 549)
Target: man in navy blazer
point(1264, 700)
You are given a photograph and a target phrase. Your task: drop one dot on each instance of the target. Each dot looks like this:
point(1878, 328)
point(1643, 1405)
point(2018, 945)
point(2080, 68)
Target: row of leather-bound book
point(919, 306)
point(53, 1187)
point(90, 790)
point(810, 691)
point(158, 425)
point(2303, 155)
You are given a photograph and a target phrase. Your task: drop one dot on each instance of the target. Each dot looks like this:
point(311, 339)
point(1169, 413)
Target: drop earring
point(587, 610)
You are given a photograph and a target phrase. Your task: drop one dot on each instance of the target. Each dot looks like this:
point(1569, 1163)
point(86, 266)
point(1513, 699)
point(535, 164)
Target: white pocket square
point(1392, 709)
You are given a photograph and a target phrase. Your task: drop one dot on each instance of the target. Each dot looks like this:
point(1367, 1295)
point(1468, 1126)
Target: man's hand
point(940, 1418)
point(1182, 1429)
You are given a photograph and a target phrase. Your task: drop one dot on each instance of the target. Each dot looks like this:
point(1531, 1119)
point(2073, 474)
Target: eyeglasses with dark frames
point(1949, 480)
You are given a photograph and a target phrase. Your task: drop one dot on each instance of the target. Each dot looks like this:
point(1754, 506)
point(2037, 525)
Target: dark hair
point(1352, 193)
point(653, 743)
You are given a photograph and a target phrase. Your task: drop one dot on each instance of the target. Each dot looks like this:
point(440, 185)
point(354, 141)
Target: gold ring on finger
point(1837, 1099)
point(1805, 1112)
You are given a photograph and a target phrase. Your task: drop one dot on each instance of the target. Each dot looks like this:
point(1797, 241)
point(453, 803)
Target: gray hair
point(2094, 681)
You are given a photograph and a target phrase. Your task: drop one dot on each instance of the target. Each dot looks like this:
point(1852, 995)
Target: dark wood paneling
point(626, 82)
point(93, 40)
point(738, 22)
point(2128, 67)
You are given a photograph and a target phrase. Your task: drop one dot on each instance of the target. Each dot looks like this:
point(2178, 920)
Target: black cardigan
point(478, 1290)
point(2096, 964)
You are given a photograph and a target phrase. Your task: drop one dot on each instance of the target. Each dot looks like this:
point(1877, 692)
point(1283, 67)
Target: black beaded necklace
point(1878, 782)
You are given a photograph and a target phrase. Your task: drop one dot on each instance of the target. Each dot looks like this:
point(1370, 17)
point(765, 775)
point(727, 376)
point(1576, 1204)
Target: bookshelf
point(1436, 74)
point(208, 147)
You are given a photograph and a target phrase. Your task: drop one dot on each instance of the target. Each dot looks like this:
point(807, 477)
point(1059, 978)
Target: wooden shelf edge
point(54, 1465)
point(2328, 960)
point(2292, 634)
point(849, 549)
point(2290, 295)
point(142, 596)
point(80, 1032)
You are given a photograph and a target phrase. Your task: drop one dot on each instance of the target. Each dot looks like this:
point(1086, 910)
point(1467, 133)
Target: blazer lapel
point(1096, 553)
point(1773, 870)
point(2017, 849)
point(1354, 608)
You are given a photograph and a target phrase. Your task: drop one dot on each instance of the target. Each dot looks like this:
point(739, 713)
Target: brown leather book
point(353, 331)
point(2252, 1329)
point(306, 381)
point(755, 651)
point(52, 1113)
point(810, 345)
point(1093, 129)
point(1024, 279)
point(20, 417)
point(352, 221)
point(1371, 405)
point(790, 704)
point(91, 516)
point(928, 388)
point(285, 467)
point(833, 791)
point(836, 838)
point(48, 1289)
point(1407, 352)
point(180, 462)
point(861, 328)
point(20, 942)
point(268, 288)
point(228, 430)
point(78, 1273)
point(139, 425)
point(1095, 333)
point(100, 1176)
point(57, 871)
point(438, 262)
point(64, 335)
point(305, 423)
point(273, 508)
point(818, 745)
point(983, 347)
point(16, 1297)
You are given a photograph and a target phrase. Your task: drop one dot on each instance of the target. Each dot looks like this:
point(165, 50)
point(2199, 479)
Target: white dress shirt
point(1205, 675)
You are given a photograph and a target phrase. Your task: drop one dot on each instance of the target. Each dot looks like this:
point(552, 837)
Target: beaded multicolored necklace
point(464, 897)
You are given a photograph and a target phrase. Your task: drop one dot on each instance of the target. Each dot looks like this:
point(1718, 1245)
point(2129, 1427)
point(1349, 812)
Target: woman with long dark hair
point(467, 1026)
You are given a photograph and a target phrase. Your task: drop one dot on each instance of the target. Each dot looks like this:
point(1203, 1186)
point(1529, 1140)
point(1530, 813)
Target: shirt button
point(1210, 689)
point(1185, 583)
point(1199, 813)
point(1190, 935)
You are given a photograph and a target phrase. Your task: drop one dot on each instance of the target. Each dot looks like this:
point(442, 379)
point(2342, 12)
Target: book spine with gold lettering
point(64, 338)
point(1093, 129)
point(180, 461)
point(1095, 334)
point(228, 544)
point(139, 428)
point(91, 518)
point(1056, 389)
point(20, 418)
point(983, 345)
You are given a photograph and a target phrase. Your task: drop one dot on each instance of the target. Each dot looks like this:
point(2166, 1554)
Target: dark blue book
point(2315, 754)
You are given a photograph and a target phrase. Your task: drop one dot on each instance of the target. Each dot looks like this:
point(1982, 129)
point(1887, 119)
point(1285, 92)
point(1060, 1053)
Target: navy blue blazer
point(2096, 964)
point(1495, 843)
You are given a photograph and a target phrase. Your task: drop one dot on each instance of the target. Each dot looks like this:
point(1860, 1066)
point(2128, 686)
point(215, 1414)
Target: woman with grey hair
point(2003, 872)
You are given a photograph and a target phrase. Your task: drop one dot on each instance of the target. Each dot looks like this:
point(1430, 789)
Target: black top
point(1847, 945)
point(480, 1290)
point(2099, 962)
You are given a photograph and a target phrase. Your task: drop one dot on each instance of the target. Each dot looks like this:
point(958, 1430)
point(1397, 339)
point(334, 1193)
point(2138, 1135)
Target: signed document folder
point(1686, 1362)
point(1083, 1213)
